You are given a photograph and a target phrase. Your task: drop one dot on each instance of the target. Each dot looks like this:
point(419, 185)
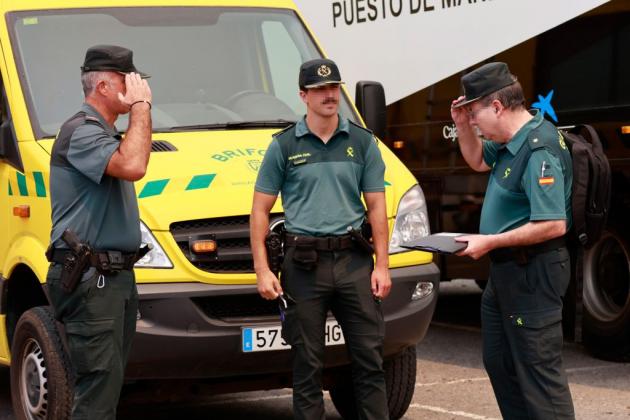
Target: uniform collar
point(92, 112)
point(301, 129)
point(520, 137)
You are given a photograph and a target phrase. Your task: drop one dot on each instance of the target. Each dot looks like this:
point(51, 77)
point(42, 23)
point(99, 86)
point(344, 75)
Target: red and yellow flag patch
point(546, 180)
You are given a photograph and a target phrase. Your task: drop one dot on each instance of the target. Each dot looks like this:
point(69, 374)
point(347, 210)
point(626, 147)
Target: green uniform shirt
point(530, 179)
point(321, 183)
point(100, 209)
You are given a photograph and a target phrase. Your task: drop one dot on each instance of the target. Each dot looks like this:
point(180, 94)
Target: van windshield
point(210, 67)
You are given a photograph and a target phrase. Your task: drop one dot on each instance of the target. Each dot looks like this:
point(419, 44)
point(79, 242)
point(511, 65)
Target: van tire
point(606, 324)
point(41, 373)
point(400, 381)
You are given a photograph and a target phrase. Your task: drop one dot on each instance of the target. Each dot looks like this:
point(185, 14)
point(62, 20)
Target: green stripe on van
point(10, 189)
point(152, 188)
point(200, 182)
point(40, 187)
point(387, 184)
point(21, 180)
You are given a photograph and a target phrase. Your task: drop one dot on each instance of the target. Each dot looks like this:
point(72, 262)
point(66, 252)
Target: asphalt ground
point(450, 384)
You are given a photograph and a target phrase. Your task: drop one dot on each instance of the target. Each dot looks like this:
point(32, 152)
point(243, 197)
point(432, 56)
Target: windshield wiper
point(231, 125)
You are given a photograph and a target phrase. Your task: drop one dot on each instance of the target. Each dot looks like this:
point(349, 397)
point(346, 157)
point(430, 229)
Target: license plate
point(269, 337)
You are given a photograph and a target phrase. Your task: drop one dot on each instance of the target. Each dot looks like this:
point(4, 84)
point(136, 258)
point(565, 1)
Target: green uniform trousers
point(100, 321)
point(339, 282)
point(521, 316)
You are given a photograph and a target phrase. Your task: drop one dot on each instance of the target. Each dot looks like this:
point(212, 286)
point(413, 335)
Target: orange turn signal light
point(399, 144)
point(625, 129)
point(22, 211)
point(204, 247)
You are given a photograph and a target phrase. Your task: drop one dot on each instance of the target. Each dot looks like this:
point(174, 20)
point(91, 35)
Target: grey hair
point(90, 79)
point(511, 96)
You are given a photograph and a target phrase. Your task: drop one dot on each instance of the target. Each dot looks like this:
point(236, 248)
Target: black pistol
point(359, 239)
point(273, 243)
point(76, 261)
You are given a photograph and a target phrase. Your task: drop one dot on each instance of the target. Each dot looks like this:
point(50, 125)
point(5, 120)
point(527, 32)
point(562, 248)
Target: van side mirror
point(9, 151)
point(370, 101)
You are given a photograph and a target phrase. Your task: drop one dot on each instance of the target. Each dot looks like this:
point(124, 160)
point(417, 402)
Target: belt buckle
point(333, 243)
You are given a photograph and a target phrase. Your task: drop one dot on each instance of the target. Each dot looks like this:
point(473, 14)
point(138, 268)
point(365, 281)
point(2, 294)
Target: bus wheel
point(41, 377)
point(400, 381)
point(606, 327)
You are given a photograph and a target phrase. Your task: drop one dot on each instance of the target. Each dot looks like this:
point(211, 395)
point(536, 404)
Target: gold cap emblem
point(324, 70)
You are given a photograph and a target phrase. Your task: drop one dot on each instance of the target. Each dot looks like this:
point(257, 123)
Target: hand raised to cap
point(137, 90)
point(459, 115)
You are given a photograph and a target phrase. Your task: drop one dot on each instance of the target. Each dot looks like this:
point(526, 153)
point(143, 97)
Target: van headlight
point(411, 222)
point(156, 258)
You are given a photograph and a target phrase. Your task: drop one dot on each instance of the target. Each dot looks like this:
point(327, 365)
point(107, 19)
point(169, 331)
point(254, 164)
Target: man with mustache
point(322, 165)
point(526, 212)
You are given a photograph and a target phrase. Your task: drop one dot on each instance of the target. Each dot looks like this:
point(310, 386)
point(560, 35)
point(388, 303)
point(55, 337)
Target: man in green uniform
point(525, 214)
point(321, 165)
point(92, 195)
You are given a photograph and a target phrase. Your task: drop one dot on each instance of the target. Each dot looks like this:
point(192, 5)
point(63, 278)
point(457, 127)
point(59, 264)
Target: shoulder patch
point(284, 130)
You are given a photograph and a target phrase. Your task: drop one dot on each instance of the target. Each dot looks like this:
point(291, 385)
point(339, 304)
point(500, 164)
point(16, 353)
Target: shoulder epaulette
point(537, 138)
point(92, 120)
point(365, 130)
point(543, 136)
point(535, 142)
point(361, 127)
point(284, 130)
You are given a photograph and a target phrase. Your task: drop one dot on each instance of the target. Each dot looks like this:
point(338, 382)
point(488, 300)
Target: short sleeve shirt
point(526, 185)
point(100, 209)
point(321, 183)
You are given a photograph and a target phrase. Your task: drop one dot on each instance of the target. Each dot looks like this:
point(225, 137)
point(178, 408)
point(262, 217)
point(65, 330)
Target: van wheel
point(41, 377)
point(400, 381)
point(606, 327)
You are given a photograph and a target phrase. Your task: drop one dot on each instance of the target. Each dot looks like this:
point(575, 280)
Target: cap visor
point(142, 75)
point(464, 103)
point(329, 82)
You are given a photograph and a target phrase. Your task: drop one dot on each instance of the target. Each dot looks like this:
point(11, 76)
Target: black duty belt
point(322, 243)
point(116, 260)
point(522, 254)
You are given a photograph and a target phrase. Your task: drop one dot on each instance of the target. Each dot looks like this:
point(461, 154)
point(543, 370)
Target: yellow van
point(224, 79)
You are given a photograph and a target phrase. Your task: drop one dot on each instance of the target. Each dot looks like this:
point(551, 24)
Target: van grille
point(162, 146)
point(233, 255)
point(228, 308)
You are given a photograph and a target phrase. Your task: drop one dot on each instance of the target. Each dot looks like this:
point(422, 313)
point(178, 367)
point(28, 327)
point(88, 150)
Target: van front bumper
point(185, 330)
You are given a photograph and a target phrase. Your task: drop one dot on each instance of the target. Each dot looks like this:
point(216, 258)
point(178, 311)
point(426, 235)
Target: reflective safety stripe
point(40, 187)
point(200, 182)
point(153, 188)
point(21, 180)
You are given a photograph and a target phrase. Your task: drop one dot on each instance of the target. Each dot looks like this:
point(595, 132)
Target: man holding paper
point(525, 215)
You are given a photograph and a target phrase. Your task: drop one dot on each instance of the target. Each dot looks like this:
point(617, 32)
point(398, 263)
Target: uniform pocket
point(538, 335)
point(305, 254)
point(291, 327)
point(515, 286)
point(91, 344)
point(560, 273)
point(53, 286)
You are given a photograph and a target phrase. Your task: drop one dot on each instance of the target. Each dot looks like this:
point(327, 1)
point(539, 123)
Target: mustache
point(329, 101)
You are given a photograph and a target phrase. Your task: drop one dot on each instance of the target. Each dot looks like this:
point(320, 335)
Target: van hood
point(208, 174)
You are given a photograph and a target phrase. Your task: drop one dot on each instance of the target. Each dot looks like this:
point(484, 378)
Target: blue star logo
point(544, 105)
